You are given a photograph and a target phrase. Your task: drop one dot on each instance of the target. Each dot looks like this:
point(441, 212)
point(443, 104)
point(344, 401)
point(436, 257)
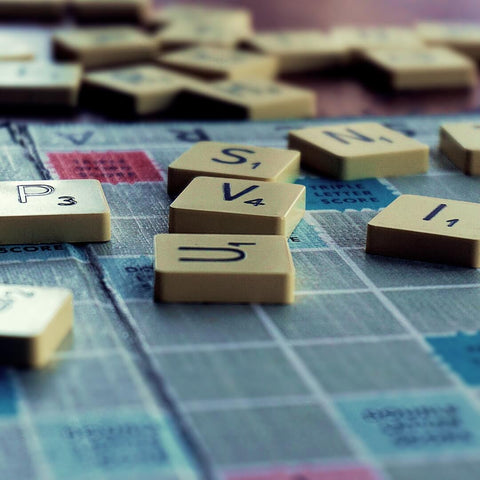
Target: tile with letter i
point(223, 269)
point(229, 160)
point(359, 150)
point(421, 68)
point(32, 84)
point(215, 63)
point(138, 90)
point(105, 46)
point(255, 99)
point(53, 211)
point(224, 205)
point(460, 143)
point(110, 10)
point(428, 229)
point(32, 9)
point(33, 323)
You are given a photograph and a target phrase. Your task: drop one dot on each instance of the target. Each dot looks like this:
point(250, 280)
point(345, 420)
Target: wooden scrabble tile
point(214, 63)
point(429, 229)
point(300, 50)
point(463, 37)
point(32, 84)
point(460, 142)
point(33, 323)
point(53, 211)
point(227, 205)
point(422, 68)
point(359, 150)
point(105, 46)
point(223, 269)
point(32, 9)
point(111, 10)
point(255, 99)
point(358, 39)
point(228, 160)
point(139, 89)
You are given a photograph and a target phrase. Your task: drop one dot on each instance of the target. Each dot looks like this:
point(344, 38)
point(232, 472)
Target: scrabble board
point(371, 374)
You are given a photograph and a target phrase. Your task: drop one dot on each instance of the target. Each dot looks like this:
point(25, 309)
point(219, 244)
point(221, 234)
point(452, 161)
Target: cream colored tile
point(359, 150)
point(464, 37)
point(104, 46)
point(460, 142)
point(139, 89)
point(33, 84)
point(223, 269)
point(118, 10)
point(33, 323)
point(255, 99)
point(224, 205)
point(12, 48)
point(429, 229)
point(37, 9)
point(229, 160)
point(423, 68)
point(300, 50)
point(52, 211)
point(215, 63)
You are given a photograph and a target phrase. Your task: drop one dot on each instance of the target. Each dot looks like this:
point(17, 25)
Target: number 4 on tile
point(436, 211)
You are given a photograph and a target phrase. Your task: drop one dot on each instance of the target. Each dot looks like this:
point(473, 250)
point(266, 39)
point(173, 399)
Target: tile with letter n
point(32, 9)
point(230, 160)
point(105, 46)
point(215, 63)
point(428, 229)
point(110, 10)
point(254, 99)
point(460, 143)
point(420, 68)
point(223, 269)
point(42, 83)
point(53, 211)
point(33, 323)
point(139, 89)
point(218, 205)
point(359, 150)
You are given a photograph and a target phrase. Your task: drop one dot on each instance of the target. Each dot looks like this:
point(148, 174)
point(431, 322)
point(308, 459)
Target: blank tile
point(461, 144)
point(111, 10)
point(52, 211)
point(140, 89)
point(104, 46)
point(421, 68)
point(255, 99)
point(359, 150)
point(463, 37)
point(32, 84)
point(36, 9)
point(215, 63)
point(427, 228)
point(13, 48)
point(229, 160)
point(33, 322)
point(223, 269)
point(300, 50)
point(217, 205)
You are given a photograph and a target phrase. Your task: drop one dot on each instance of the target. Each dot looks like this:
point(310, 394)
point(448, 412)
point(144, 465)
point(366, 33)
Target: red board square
point(107, 167)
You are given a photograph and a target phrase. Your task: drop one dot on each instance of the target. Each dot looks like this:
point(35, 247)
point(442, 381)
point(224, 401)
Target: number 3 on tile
point(436, 211)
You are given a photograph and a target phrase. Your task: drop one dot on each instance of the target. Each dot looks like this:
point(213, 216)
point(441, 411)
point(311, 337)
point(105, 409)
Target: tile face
point(359, 150)
point(12, 48)
point(215, 159)
point(140, 89)
point(460, 142)
point(223, 269)
point(422, 68)
point(51, 211)
point(27, 83)
point(217, 205)
point(463, 37)
point(220, 63)
point(98, 47)
point(258, 99)
point(429, 229)
point(110, 9)
point(32, 8)
point(33, 322)
point(300, 50)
